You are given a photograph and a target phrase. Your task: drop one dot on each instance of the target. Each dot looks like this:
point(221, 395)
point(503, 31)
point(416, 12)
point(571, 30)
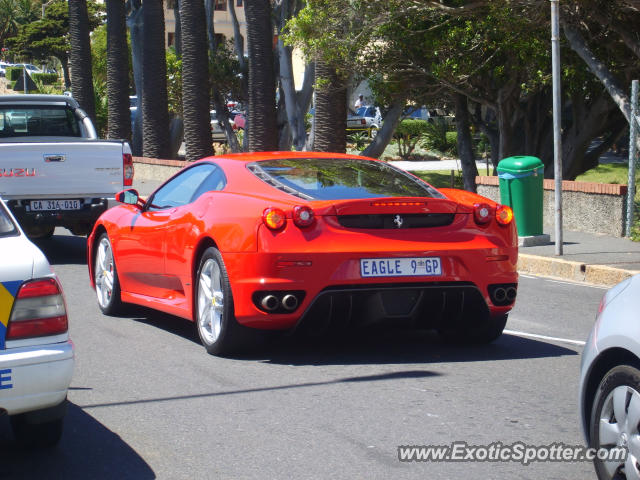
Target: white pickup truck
point(54, 171)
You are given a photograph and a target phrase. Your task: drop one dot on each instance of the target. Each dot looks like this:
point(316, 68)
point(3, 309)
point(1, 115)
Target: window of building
point(220, 5)
point(239, 3)
point(220, 39)
point(171, 39)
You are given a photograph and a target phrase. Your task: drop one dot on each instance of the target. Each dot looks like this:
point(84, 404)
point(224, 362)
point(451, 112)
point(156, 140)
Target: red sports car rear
point(282, 239)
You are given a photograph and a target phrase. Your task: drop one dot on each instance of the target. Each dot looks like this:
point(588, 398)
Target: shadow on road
point(64, 249)
point(382, 345)
point(87, 450)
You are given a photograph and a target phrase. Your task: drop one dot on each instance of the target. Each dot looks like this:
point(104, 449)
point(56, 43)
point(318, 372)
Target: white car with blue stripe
point(36, 353)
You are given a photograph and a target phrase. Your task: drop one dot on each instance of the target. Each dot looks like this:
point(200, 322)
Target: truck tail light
point(127, 169)
point(274, 218)
point(482, 213)
point(39, 310)
point(363, 122)
point(504, 214)
point(303, 216)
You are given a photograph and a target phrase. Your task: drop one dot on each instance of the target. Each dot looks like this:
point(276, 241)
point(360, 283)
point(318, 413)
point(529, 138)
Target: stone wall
point(586, 207)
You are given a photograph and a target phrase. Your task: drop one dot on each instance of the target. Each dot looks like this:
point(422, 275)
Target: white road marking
point(565, 282)
point(545, 337)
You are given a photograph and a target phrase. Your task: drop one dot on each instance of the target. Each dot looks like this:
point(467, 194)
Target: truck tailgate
point(64, 169)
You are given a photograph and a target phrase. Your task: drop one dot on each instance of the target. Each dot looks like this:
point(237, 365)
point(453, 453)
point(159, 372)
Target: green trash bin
point(521, 188)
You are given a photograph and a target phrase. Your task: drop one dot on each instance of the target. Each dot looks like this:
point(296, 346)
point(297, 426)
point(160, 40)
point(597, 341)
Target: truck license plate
point(38, 205)
point(400, 267)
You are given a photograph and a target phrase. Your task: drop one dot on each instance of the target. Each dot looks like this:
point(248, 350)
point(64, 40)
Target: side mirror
point(130, 196)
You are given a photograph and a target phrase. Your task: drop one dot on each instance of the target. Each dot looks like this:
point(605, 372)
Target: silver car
point(610, 382)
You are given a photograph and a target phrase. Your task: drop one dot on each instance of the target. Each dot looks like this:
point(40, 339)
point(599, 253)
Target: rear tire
point(106, 278)
point(39, 428)
point(219, 332)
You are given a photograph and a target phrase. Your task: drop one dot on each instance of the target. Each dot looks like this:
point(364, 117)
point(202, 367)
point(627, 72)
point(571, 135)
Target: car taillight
point(303, 216)
point(38, 310)
point(504, 214)
point(127, 169)
point(482, 213)
point(274, 218)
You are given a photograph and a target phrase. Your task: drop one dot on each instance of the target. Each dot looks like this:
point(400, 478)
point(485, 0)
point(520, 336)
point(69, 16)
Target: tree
point(80, 55)
point(331, 110)
point(263, 132)
point(13, 14)
point(195, 80)
point(155, 115)
point(119, 123)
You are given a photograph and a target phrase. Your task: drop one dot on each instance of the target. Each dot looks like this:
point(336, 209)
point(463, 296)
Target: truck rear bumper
point(80, 222)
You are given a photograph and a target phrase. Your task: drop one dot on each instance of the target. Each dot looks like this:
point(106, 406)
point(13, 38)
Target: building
point(223, 25)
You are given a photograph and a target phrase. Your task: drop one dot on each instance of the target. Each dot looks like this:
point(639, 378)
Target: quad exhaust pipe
point(279, 302)
point(270, 303)
point(503, 294)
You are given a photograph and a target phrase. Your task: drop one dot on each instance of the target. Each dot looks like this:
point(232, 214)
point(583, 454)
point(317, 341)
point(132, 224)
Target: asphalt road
point(146, 401)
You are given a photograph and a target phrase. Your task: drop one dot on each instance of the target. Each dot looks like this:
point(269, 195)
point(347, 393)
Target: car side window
point(181, 190)
point(214, 182)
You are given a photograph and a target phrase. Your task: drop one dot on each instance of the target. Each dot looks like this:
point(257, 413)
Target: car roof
point(38, 99)
point(248, 157)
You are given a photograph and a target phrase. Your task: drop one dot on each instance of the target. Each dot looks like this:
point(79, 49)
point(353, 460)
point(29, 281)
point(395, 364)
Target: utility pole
point(557, 133)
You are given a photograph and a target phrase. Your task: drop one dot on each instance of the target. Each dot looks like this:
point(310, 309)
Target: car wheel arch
point(607, 360)
point(97, 233)
point(201, 247)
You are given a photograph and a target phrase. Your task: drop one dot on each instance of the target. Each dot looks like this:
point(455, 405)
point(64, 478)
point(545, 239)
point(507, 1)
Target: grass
point(607, 173)
point(442, 178)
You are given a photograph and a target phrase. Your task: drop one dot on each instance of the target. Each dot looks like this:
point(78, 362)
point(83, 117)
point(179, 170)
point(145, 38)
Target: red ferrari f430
point(277, 240)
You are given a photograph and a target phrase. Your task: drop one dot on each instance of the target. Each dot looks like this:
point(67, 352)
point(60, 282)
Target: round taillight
point(303, 216)
point(274, 218)
point(482, 213)
point(504, 214)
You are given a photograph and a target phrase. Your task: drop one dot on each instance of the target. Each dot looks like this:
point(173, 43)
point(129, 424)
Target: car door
point(186, 226)
point(142, 268)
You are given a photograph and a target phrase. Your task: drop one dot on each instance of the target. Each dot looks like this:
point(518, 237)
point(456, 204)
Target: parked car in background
point(36, 354)
point(610, 381)
point(3, 68)
point(417, 113)
point(367, 118)
point(283, 240)
point(29, 67)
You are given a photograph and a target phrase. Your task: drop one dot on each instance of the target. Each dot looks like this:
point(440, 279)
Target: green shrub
point(359, 139)
point(435, 137)
point(452, 141)
point(408, 133)
point(12, 73)
point(45, 78)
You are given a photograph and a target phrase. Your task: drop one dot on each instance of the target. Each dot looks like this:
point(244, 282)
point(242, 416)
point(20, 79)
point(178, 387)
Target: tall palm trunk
point(80, 55)
point(155, 112)
point(263, 131)
point(331, 110)
point(195, 80)
point(119, 124)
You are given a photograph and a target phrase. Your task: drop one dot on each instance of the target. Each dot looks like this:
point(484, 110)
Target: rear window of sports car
point(339, 178)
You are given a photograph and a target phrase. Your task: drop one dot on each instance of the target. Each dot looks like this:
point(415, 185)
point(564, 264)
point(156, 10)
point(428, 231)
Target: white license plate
point(400, 267)
point(38, 205)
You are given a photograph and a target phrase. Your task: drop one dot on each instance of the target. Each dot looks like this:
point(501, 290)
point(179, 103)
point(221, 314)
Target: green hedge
point(410, 129)
point(12, 73)
point(45, 78)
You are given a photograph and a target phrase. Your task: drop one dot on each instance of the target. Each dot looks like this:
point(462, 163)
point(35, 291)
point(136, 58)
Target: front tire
point(106, 278)
point(218, 330)
point(614, 422)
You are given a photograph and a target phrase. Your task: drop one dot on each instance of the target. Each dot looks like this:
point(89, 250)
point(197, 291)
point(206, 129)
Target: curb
point(575, 271)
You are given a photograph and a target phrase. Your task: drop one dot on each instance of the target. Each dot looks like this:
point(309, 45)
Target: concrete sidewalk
point(587, 257)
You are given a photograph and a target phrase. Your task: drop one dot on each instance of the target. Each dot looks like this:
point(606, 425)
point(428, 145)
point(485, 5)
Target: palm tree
point(263, 131)
point(119, 124)
point(80, 56)
point(14, 13)
point(155, 113)
point(331, 110)
point(195, 80)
